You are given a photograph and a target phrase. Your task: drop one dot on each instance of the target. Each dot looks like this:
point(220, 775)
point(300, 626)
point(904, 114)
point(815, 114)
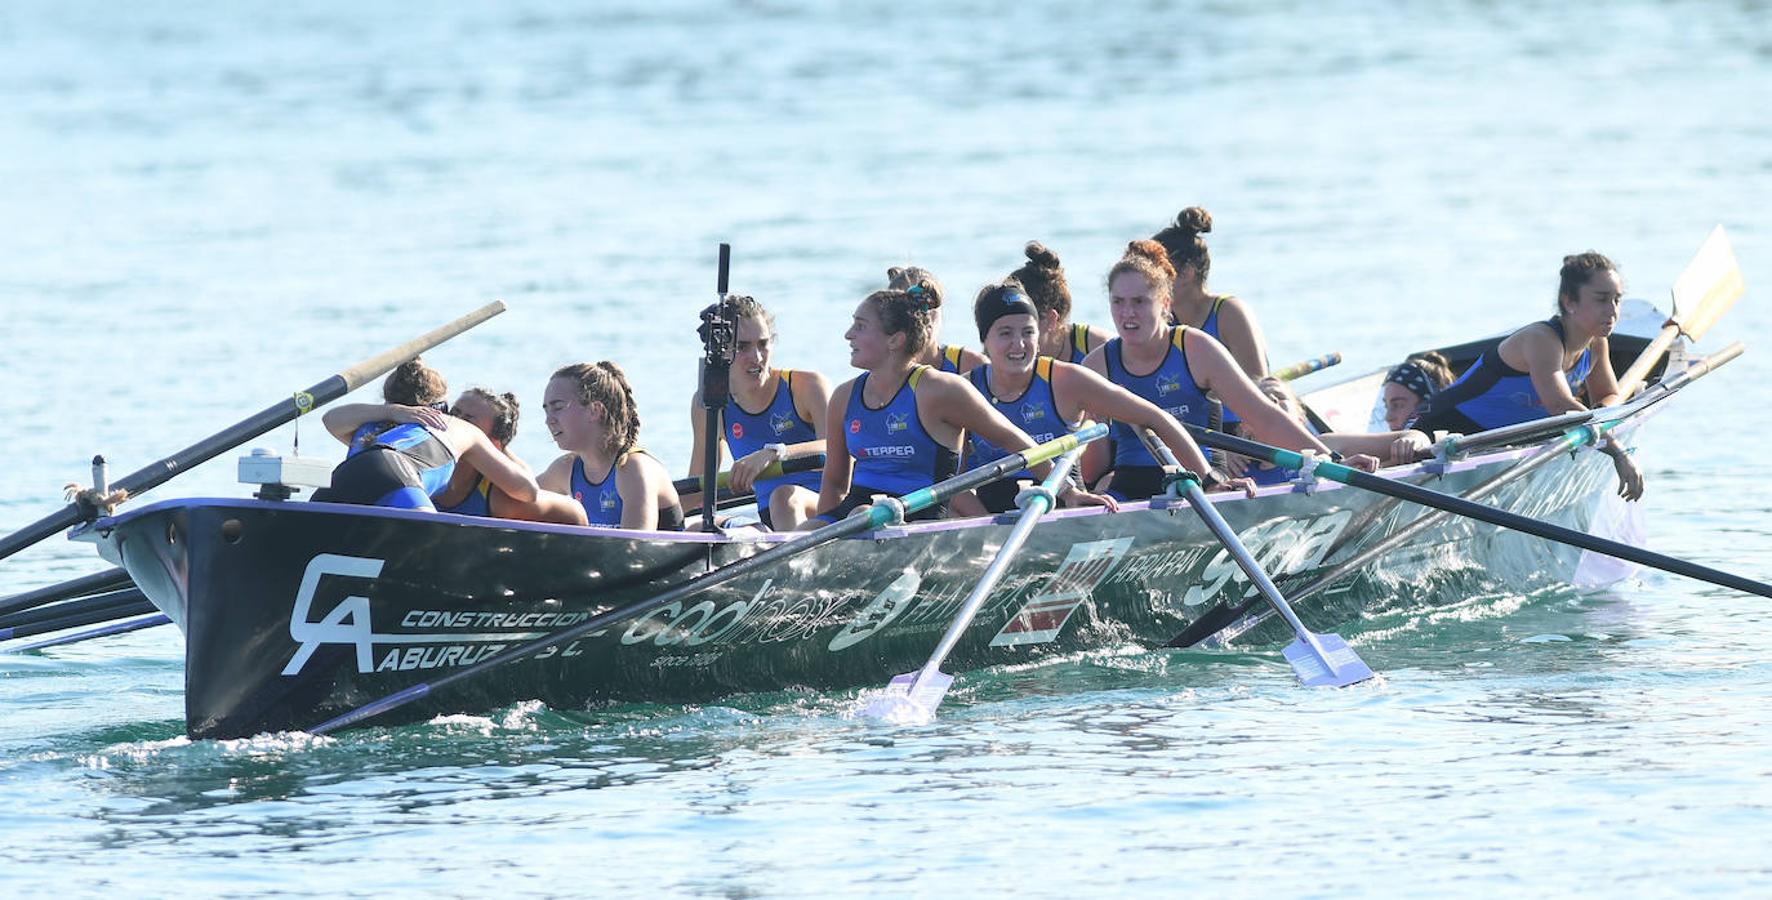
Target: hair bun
point(1041, 256)
point(1195, 219)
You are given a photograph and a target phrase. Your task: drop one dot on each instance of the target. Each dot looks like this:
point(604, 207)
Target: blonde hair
point(603, 382)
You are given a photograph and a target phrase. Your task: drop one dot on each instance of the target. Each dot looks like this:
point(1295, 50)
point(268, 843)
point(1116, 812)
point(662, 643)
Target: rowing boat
point(295, 612)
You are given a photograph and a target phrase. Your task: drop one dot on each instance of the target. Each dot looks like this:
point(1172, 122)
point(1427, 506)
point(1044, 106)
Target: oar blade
point(1335, 664)
point(908, 700)
point(1710, 284)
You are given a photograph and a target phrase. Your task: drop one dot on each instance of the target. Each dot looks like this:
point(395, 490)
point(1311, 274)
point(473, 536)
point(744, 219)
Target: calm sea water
point(208, 205)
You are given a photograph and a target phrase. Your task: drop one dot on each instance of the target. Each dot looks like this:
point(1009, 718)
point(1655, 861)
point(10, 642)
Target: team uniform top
point(602, 501)
point(893, 452)
point(779, 423)
point(478, 502)
point(1079, 342)
point(1170, 386)
point(1033, 411)
point(1492, 393)
point(1211, 326)
point(393, 465)
point(950, 358)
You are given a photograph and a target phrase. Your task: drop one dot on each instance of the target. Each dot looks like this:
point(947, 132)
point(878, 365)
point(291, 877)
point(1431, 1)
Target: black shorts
point(1136, 483)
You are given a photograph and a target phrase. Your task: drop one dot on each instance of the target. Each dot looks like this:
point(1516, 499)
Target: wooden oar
point(106, 631)
point(1710, 284)
point(1459, 506)
point(108, 580)
point(867, 518)
point(911, 698)
point(245, 430)
point(1319, 660)
point(1305, 367)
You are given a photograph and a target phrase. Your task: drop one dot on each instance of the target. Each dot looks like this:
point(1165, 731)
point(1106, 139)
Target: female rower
point(1536, 371)
point(788, 420)
point(1045, 397)
point(471, 493)
point(1394, 448)
point(941, 357)
point(1411, 383)
point(1173, 366)
point(1226, 318)
point(897, 426)
point(1042, 279)
point(405, 449)
point(590, 410)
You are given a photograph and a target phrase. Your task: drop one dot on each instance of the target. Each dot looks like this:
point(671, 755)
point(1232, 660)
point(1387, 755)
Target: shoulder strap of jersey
point(916, 375)
point(1080, 336)
point(952, 352)
point(981, 378)
point(1179, 336)
point(1043, 368)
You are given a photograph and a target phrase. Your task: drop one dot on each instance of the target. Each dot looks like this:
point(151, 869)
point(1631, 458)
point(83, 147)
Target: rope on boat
point(91, 498)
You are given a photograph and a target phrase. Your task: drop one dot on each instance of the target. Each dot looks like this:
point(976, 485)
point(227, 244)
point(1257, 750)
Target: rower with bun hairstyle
point(1223, 316)
point(941, 357)
point(470, 493)
point(405, 449)
point(590, 411)
point(770, 415)
point(897, 427)
point(1042, 396)
point(1537, 370)
point(1174, 366)
point(1042, 278)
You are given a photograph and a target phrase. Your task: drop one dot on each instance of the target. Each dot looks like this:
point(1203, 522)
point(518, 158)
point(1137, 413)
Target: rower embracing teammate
point(951, 358)
point(1173, 366)
point(897, 427)
point(470, 493)
point(789, 420)
point(404, 450)
point(1042, 396)
point(591, 413)
point(1536, 371)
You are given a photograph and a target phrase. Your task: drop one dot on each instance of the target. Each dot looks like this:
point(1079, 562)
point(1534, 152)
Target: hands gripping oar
point(1319, 660)
point(912, 698)
point(1460, 506)
point(867, 518)
point(245, 430)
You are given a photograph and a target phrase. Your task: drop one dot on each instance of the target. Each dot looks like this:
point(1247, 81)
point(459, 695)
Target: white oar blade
point(907, 701)
point(1336, 666)
point(1710, 284)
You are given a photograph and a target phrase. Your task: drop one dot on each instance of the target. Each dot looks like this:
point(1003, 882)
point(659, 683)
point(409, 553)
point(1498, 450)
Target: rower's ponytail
point(413, 383)
point(910, 311)
point(1182, 240)
point(1043, 277)
point(504, 413)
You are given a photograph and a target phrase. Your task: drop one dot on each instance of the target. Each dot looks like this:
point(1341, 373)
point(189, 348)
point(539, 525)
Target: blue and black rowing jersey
point(1170, 386)
point(478, 502)
point(778, 423)
point(1079, 343)
point(893, 452)
point(393, 465)
point(950, 358)
point(1034, 411)
point(1492, 393)
point(602, 501)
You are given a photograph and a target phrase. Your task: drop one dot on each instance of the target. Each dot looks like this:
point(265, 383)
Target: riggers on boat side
point(296, 612)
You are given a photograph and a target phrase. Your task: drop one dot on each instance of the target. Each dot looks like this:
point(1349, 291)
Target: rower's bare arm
point(1241, 335)
point(1266, 421)
point(557, 476)
point(1394, 448)
point(342, 421)
point(1543, 354)
point(834, 485)
point(1602, 382)
point(505, 473)
point(640, 480)
point(697, 422)
point(1102, 397)
point(812, 400)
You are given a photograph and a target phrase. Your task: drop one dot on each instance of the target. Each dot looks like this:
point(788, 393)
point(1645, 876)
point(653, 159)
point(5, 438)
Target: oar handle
point(221, 442)
point(1305, 367)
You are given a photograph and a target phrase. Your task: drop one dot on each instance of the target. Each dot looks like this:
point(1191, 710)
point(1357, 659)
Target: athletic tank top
point(602, 502)
point(1079, 342)
point(1034, 411)
point(950, 358)
point(1170, 386)
point(478, 502)
point(1492, 393)
point(893, 452)
point(401, 438)
point(778, 423)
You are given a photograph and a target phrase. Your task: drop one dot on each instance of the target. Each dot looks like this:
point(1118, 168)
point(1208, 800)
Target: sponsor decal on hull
point(1042, 618)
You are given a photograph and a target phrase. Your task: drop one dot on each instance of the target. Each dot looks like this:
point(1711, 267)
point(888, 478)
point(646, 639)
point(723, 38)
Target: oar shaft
point(109, 579)
point(1305, 367)
point(875, 516)
point(76, 619)
point(1033, 507)
point(103, 631)
point(1460, 506)
point(1646, 360)
point(319, 394)
point(112, 600)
